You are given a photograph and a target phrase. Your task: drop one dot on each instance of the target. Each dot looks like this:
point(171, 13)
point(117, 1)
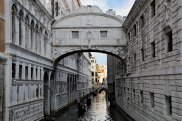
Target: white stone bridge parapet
point(89, 30)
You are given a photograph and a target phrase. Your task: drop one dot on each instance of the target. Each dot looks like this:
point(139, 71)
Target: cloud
point(103, 4)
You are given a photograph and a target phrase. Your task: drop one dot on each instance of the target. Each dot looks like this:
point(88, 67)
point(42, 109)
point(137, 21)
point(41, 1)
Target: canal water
point(98, 111)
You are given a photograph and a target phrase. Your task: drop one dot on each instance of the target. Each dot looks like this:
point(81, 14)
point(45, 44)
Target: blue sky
point(101, 59)
point(122, 7)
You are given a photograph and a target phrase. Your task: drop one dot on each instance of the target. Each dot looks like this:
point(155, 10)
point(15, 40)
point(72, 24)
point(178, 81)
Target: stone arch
point(119, 52)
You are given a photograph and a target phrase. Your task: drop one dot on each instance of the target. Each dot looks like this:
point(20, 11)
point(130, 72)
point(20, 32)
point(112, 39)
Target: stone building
point(94, 70)
point(34, 86)
point(150, 88)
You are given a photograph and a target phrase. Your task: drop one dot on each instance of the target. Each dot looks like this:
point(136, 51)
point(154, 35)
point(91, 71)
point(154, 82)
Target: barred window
point(103, 34)
point(75, 34)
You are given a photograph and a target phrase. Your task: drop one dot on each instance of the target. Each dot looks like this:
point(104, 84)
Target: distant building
point(62, 7)
point(101, 74)
point(94, 70)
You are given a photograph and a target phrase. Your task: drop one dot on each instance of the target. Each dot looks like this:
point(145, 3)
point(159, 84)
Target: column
point(17, 70)
point(34, 73)
point(23, 71)
point(29, 72)
point(7, 82)
point(38, 73)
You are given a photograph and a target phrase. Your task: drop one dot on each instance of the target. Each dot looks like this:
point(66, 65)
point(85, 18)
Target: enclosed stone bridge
point(88, 30)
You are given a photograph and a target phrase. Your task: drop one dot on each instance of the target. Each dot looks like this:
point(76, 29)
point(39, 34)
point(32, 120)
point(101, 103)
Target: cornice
point(88, 13)
point(134, 12)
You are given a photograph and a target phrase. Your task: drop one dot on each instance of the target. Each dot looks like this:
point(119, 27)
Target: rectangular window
point(135, 59)
point(75, 34)
point(103, 34)
point(135, 30)
point(153, 49)
point(168, 101)
point(141, 96)
point(169, 37)
point(143, 54)
point(26, 72)
point(36, 71)
point(57, 8)
point(13, 70)
point(129, 36)
point(20, 71)
point(152, 6)
point(152, 100)
point(133, 95)
point(32, 72)
point(142, 20)
point(92, 73)
point(37, 91)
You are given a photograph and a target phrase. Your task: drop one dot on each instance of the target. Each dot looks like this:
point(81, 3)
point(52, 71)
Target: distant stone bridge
point(88, 30)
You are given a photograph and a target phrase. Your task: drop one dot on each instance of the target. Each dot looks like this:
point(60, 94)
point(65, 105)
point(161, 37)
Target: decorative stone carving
point(167, 9)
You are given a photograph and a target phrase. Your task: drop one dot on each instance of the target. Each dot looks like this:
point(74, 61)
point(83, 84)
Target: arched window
point(26, 32)
point(20, 27)
point(14, 10)
point(40, 39)
point(36, 38)
point(32, 34)
point(45, 43)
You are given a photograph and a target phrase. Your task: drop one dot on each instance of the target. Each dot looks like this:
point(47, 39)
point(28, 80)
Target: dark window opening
point(103, 34)
point(26, 72)
point(75, 34)
point(135, 59)
point(169, 36)
point(141, 96)
point(13, 70)
point(32, 72)
point(143, 54)
point(152, 5)
point(142, 21)
point(168, 105)
point(20, 71)
point(153, 49)
point(57, 8)
point(152, 99)
point(135, 30)
point(37, 92)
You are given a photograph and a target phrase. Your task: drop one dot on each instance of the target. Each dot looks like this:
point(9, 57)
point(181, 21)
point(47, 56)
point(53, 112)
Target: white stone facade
point(30, 90)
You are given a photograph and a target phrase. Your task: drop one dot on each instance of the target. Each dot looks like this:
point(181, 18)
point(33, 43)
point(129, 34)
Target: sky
point(122, 7)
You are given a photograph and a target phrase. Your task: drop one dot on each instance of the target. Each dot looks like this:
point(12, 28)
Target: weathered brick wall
point(160, 75)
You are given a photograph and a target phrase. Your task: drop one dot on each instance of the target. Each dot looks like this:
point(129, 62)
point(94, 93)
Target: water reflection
point(98, 111)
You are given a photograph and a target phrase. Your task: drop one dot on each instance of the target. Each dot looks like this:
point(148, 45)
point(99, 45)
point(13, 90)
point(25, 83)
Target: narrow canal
point(98, 111)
